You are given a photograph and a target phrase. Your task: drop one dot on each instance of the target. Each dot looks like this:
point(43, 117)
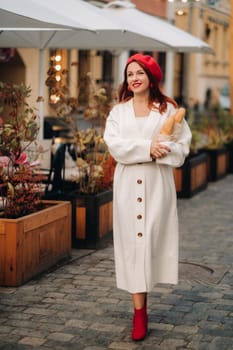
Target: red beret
point(149, 62)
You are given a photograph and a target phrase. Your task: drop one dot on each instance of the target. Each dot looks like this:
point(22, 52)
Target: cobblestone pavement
point(78, 307)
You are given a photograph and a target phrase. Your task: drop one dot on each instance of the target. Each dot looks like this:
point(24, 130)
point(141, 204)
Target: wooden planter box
point(34, 243)
point(217, 163)
point(94, 219)
point(191, 177)
point(230, 158)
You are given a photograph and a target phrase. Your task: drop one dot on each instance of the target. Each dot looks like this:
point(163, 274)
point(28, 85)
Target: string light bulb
point(58, 58)
point(58, 78)
point(58, 67)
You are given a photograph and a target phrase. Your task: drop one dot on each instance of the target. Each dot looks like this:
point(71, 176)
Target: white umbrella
point(34, 23)
point(10, 20)
point(153, 28)
point(112, 28)
point(31, 17)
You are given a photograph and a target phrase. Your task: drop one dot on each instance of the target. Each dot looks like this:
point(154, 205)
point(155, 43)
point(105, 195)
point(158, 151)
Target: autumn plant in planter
point(20, 185)
point(215, 126)
point(93, 198)
point(94, 163)
point(94, 166)
point(228, 129)
point(191, 177)
point(91, 168)
point(34, 234)
point(199, 138)
point(95, 170)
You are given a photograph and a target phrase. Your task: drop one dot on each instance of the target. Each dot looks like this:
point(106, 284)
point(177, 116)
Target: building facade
point(204, 75)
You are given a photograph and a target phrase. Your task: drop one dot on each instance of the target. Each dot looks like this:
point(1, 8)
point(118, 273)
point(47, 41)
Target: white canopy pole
point(120, 58)
point(41, 91)
point(169, 71)
point(169, 75)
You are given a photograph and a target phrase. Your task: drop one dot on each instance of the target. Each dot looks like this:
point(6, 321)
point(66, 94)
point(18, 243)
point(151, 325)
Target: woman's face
point(137, 78)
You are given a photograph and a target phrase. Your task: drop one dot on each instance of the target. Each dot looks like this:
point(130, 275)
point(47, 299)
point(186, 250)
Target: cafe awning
point(122, 27)
point(153, 28)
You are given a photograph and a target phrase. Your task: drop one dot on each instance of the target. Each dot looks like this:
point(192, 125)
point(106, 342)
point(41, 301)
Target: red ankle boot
point(140, 324)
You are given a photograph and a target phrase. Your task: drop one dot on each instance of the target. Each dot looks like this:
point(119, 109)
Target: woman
point(145, 212)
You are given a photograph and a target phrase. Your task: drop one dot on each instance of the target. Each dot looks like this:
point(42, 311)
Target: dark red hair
point(155, 96)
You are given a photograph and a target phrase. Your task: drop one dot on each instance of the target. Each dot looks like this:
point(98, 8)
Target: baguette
point(179, 116)
point(168, 126)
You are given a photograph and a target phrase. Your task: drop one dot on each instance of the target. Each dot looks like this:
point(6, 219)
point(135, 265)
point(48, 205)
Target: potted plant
point(213, 126)
point(227, 127)
point(86, 176)
point(191, 177)
point(34, 234)
point(93, 195)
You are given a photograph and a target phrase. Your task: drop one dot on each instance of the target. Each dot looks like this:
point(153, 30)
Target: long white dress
point(145, 222)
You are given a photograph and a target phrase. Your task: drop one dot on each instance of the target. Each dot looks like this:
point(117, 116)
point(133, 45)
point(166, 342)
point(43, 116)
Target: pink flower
point(4, 161)
point(23, 159)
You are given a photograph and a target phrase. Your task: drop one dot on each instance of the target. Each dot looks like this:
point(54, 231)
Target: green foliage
point(211, 130)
